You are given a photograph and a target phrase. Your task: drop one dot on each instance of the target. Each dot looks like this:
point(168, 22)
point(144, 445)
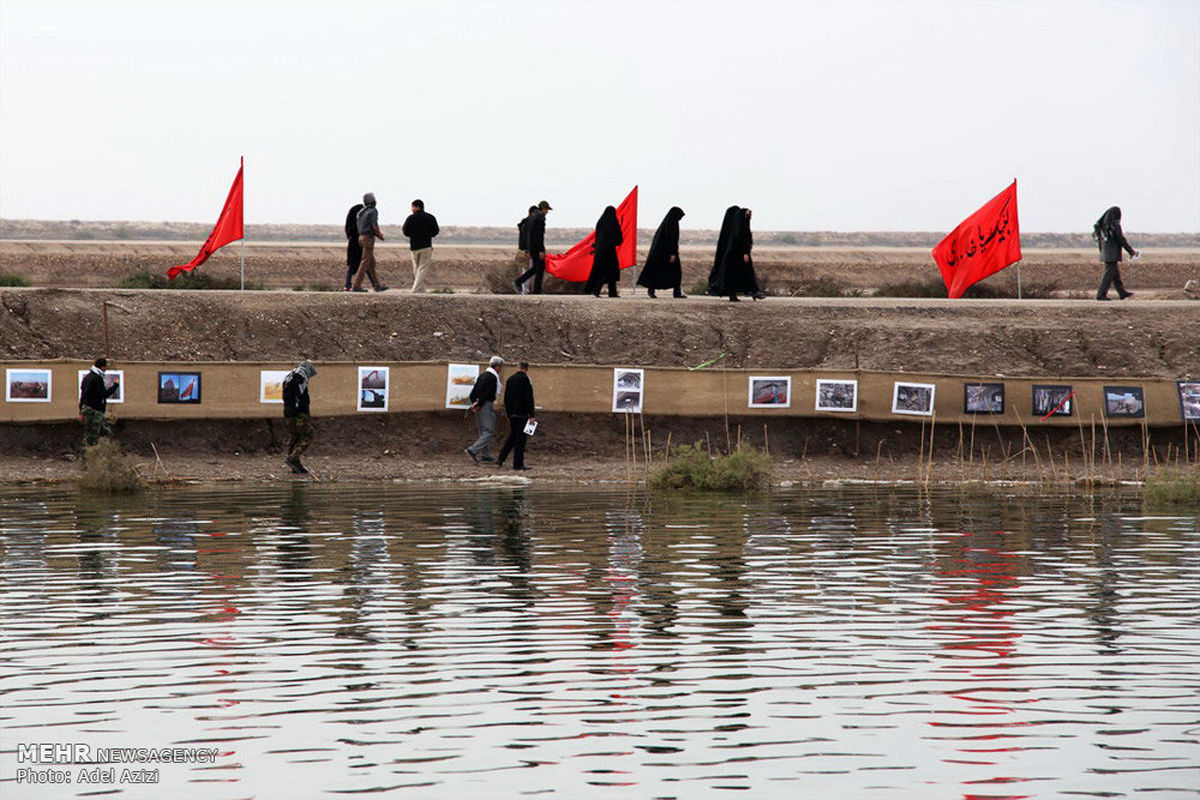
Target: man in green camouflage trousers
point(296, 414)
point(94, 392)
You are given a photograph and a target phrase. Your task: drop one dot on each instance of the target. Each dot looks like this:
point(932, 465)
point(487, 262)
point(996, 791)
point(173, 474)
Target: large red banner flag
point(985, 243)
point(228, 228)
point(576, 263)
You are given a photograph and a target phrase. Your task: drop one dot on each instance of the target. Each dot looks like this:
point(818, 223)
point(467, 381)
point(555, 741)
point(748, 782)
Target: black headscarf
point(1108, 226)
point(608, 230)
point(659, 272)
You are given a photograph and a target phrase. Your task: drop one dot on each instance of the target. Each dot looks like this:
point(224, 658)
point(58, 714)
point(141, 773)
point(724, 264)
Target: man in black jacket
point(296, 414)
point(420, 228)
point(535, 234)
point(93, 402)
point(483, 396)
point(1111, 241)
point(518, 405)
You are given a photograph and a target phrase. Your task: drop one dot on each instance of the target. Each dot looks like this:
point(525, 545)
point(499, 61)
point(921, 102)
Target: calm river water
point(427, 642)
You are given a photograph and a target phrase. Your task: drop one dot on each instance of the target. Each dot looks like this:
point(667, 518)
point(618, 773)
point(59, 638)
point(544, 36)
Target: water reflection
point(423, 642)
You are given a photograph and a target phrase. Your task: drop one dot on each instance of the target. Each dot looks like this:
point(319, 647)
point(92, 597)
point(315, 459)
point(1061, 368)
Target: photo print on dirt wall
point(913, 398)
point(27, 385)
point(983, 398)
point(627, 390)
point(373, 388)
point(769, 391)
point(112, 377)
point(1053, 400)
point(179, 387)
point(270, 385)
point(1189, 400)
point(460, 378)
point(834, 395)
point(1124, 401)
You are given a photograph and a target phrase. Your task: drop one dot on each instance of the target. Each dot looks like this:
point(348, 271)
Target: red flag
point(576, 263)
point(228, 228)
point(986, 242)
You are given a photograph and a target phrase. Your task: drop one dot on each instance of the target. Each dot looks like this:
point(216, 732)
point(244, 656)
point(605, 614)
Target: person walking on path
point(296, 414)
point(420, 228)
point(523, 245)
point(94, 392)
point(368, 232)
point(353, 248)
point(483, 396)
point(606, 268)
point(535, 234)
point(662, 269)
point(1111, 241)
point(733, 265)
point(518, 406)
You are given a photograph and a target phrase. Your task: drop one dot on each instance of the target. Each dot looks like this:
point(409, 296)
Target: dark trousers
point(537, 269)
point(1112, 277)
point(515, 443)
point(353, 259)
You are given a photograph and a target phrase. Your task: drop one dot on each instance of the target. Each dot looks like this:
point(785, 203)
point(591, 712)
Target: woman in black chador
point(733, 266)
point(605, 267)
point(1111, 241)
point(353, 248)
point(662, 269)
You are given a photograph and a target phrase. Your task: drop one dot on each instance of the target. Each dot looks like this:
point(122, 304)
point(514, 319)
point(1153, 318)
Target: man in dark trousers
point(353, 248)
point(535, 234)
point(93, 402)
point(518, 405)
point(483, 396)
point(367, 223)
point(296, 414)
point(420, 228)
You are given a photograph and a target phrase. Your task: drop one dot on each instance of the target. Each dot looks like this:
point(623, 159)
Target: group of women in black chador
point(732, 272)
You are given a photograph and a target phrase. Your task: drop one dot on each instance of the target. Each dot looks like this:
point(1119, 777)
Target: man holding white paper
point(518, 405)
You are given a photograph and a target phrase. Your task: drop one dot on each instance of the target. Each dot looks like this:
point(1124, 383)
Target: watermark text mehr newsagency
point(63, 754)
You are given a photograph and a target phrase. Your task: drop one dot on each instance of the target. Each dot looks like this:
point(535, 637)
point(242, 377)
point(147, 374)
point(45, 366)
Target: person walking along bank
point(662, 269)
point(483, 396)
point(420, 228)
point(535, 235)
point(93, 402)
point(296, 414)
point(368, 231)
point(734, 266)
point(353, 248)
point(518, 406)
point(1111, 241)
point(606, 268)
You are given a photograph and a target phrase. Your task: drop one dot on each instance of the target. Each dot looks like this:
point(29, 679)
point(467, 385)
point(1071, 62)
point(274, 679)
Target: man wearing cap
point(483, 396)
point(420, 228)
point(368, 232)
point(94, 392)
point(535, 233)
point(296, 414)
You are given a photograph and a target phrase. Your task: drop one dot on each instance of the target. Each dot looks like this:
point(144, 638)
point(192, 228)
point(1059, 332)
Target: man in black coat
point(420, 228)
point(535, 234)
point(518, 405)
point(483, 395)
point(296, 414)
point(1111, 241)
point(93, 402)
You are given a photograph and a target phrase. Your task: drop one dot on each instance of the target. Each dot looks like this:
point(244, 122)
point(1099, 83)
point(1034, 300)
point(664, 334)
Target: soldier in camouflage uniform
point(296, 414)
point(93, 402)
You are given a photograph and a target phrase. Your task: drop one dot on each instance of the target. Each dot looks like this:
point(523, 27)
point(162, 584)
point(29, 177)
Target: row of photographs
point(763, 391)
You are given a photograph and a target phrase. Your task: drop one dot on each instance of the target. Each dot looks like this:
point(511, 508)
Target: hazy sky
point(818, 115)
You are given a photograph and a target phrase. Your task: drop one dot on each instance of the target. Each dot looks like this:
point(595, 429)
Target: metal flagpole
point(242, 257)
point(1018, 280)
point(242, 248)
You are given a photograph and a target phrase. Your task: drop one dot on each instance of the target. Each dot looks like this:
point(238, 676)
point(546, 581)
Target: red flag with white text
point(984, 243)
point(576, 263)
point(228, 228)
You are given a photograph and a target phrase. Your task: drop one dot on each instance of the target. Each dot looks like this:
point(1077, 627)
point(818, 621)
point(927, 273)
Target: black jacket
point(484, 390)
point(518, 395)
point(295, 401)
point(420, 228)
point(93, 393)
point(535, 233)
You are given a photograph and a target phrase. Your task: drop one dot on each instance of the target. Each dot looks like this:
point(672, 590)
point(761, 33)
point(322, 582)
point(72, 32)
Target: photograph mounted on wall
point(179, 387)
point(112, 377)
point(983, 398)
point(837, 395)
point(27, 385)
point(1053, 400)
point(372, 388)
point(913, 398)
point(770, 391)
point(627, 390)
point(1189, 399)
point(1124, 401)
point(270, 385)
point(460, 378)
